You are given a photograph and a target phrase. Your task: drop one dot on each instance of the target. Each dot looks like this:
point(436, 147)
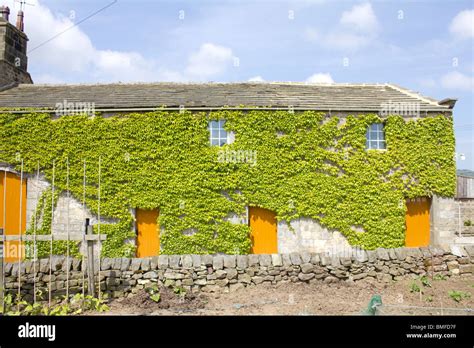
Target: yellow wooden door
point(263, 231)
point(13, 213)
point(418, 222)
point(148, 240)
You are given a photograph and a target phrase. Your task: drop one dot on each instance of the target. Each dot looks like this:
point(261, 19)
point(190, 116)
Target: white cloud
point(320, 78)
point(357, 28)
point(361, 17)
point(456, 80)
point(72, 53)
point(462, 25)
point(256, 79)
point(210, 60)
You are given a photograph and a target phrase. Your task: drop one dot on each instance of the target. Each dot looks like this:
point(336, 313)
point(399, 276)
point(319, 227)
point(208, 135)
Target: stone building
point(425, 215)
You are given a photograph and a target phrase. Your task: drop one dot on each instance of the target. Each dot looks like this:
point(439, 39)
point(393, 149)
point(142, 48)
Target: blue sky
point(426, 46)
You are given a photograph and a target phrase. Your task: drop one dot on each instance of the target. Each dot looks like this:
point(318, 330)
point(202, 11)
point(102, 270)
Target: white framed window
point(375, 137)
point(218, 135)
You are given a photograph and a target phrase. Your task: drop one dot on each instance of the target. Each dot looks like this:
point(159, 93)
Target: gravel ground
point(341, 298)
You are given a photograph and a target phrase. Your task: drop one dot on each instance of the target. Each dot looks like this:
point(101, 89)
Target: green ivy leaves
point(308, 165)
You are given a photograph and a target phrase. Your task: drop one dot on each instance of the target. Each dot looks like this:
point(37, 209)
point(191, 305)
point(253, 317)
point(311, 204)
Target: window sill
point(378, 150)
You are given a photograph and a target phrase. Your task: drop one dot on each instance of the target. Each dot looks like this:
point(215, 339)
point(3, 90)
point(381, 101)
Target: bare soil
point(343, 298)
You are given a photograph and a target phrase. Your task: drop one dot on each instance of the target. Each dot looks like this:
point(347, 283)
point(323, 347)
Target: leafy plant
point(154, 293)
point(429, 299)
point(468, 223)
point(458, 296)
point(179, 291)
point(439, 277)
point(163, 158)
point(425, 281)
point(415, 287)
point(76, 304)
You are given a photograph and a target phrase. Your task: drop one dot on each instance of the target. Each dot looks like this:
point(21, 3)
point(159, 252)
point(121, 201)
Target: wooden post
point(90, 260)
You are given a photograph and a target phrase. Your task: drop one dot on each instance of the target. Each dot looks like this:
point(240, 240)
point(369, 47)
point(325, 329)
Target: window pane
point(223, 134)
point(374, 135)
point(381, 144)
point(367, 144)
point(214, 124)
point(373, 145)
point(221, 123)
point(214, 141)
point(223, 142)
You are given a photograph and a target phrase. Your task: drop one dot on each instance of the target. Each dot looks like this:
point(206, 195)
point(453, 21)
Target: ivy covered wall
point(307, 165)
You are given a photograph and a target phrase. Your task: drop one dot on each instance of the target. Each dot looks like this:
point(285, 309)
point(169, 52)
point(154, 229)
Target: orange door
point(12, 211)
point(263, 231)
point(148, 241)
point(418, 222)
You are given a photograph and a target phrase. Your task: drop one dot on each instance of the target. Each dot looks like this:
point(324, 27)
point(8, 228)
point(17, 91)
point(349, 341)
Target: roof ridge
point(414, 94)
point(298, 83)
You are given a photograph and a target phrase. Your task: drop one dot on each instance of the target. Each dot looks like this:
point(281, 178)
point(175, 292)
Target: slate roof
point(349, 97)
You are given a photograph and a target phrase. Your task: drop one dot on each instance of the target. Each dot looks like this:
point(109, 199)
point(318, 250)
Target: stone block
point(242, 261)
point(265, 260)
point(372, 256)
point(244, 278)
point(306, 276)
point(276, 260)
point(163, 261)
point(187, 261)
point(436, 251)
point(286, 259)
point(218, 262)
point(154, 263)
point(469, 250)
point(207, 260)
point(253, 259)
point(229, 261)
point(150, 275)
point(295, 259)
point(401, 254)
point(174, 261)
point(196, 260)
point(145, 264)
point(305, 257)
point(231, 273)
point(315, 259)
point(135, 264)
point(382, 254)
point(307, 268)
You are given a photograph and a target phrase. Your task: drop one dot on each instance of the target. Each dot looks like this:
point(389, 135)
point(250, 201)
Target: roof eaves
point(414, 94)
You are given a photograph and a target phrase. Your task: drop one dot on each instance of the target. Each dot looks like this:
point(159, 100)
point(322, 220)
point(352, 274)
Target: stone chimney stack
point(4, 12)
point(19, 21)
point(13, 44)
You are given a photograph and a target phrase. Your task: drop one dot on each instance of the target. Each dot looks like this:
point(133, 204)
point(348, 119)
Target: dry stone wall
point(214, 273)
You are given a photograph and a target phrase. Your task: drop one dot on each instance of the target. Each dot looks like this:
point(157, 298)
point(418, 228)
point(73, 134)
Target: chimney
point(13, 43)
point(4, 12)
point(19, 21)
